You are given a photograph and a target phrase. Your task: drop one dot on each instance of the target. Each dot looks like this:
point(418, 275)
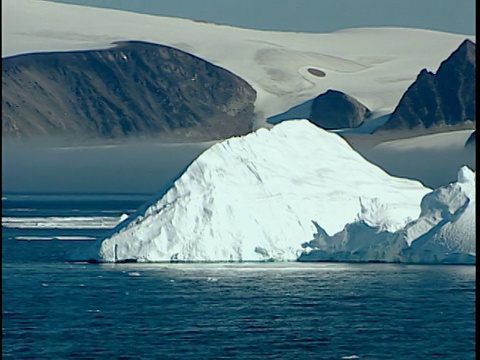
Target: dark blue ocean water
point(52, 309)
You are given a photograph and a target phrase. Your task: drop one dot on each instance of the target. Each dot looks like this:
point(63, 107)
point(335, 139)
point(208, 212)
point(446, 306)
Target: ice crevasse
point(294, 192)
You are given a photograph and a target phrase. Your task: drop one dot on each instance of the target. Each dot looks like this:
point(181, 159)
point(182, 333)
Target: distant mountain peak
point(446, 98)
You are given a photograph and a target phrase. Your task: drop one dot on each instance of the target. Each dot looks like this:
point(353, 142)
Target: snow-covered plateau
point(295, 192)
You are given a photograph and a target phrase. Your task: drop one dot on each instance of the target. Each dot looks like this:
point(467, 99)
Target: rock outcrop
point(335, 110)
point(443, 99)
point(134, 89)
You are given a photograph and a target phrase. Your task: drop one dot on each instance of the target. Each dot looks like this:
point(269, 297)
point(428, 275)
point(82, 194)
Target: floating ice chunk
point(466, 175)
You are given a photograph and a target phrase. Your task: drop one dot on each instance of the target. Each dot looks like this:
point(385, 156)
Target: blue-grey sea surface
point(53, 309)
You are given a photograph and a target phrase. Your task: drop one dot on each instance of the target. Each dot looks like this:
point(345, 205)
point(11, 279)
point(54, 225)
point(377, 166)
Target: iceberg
point(443, 233)
point(451, 211)
point(261, 197)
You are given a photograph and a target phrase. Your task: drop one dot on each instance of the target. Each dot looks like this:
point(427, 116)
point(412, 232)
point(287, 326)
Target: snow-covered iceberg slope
point(260, 197)
point(443, 233)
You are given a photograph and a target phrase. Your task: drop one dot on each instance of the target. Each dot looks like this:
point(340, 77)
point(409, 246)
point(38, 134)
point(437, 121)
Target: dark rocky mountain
point(335, 110)
point(134, 89)
point(446, 98)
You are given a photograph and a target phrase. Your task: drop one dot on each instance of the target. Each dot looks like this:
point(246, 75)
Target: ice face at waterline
point(260, 197)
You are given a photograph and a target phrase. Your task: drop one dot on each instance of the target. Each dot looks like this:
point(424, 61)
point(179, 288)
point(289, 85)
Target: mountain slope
point(133, 89)
point(373, 65)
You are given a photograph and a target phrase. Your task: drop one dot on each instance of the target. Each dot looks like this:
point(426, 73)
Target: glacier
point(294, 192)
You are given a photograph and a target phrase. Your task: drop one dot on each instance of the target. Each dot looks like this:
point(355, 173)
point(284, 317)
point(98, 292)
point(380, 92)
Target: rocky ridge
point(135, 89)
point(446, 98)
